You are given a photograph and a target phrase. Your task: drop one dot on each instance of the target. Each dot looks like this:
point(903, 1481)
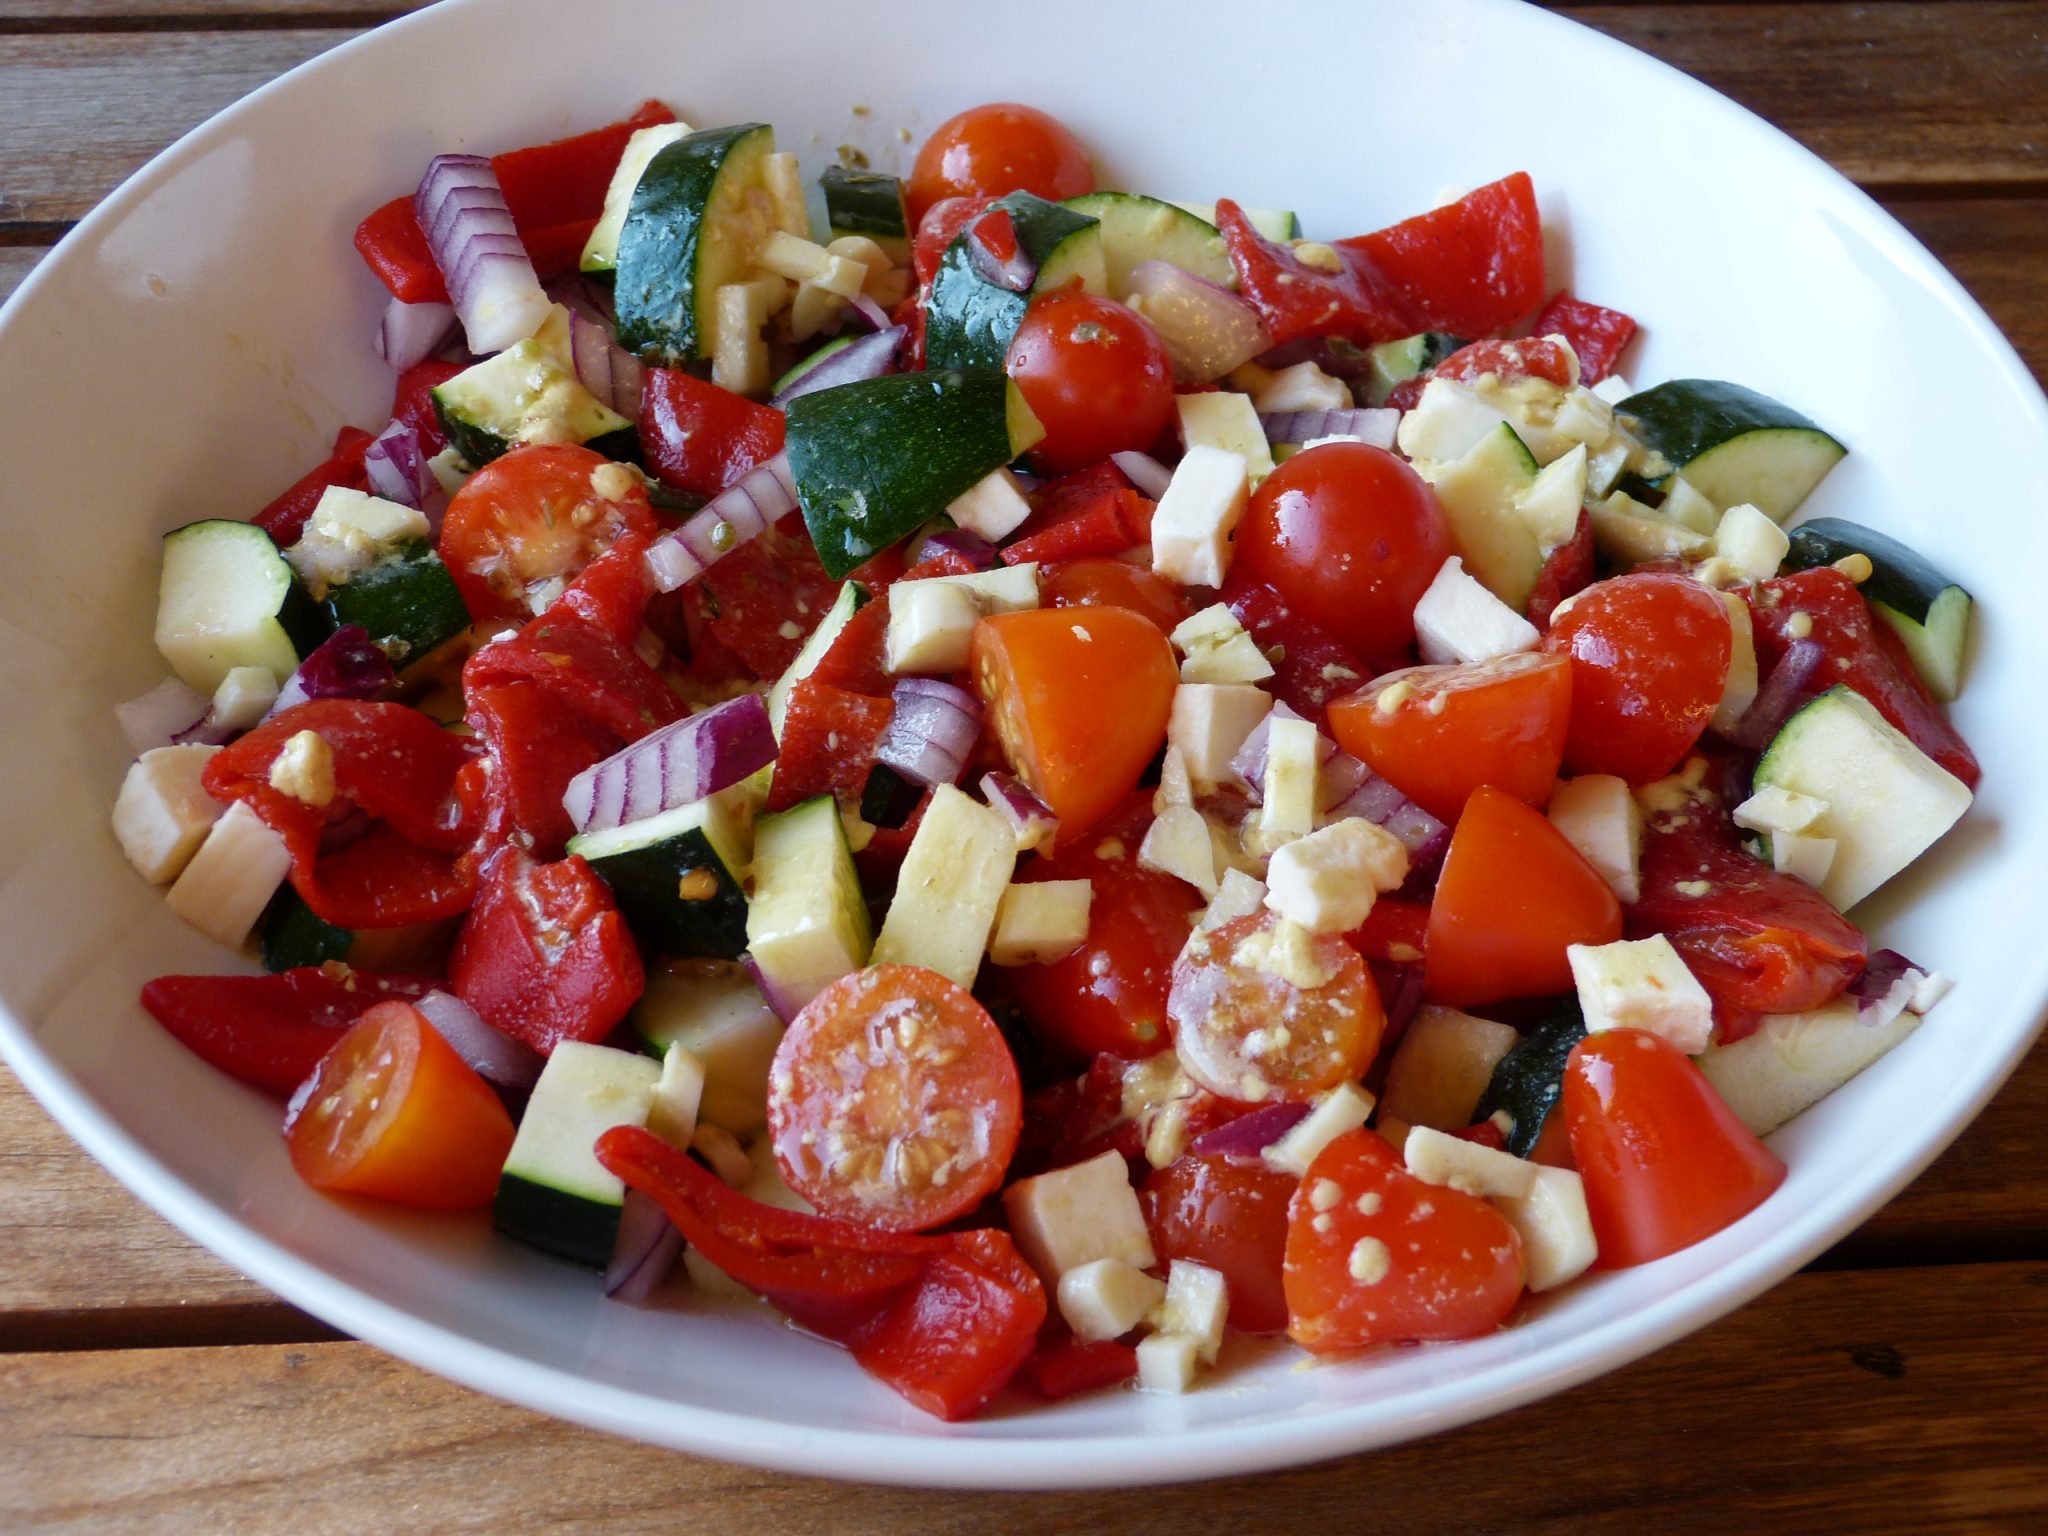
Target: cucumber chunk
point(808, 924)
point(601, 250)
point(1734, 444)
point(867, 203)
point(1137, 228)
point(407, 602)
point(554, 1193)
point(718, 1015)
point(228, 598)
point(1479, 495)
point(676, 877)
point(953, 880)
point(1273, 223)
point(1930, 612)
point(525, 394)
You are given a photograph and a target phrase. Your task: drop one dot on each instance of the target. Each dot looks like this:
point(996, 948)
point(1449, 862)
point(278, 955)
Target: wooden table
point(1897, 1383)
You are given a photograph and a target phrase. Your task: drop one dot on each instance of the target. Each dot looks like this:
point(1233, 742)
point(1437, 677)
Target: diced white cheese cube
point(1041, 922)
point(1177, 843)
point(931, 624)
point(1750, 543)
point(994, 506)
point(1685, 505)
point(162, 814)
point(1301, 387)
point(1614, 389)
point(1107, 1299)
point(1209, 722)
point(243, 698)
point(351, 531)
point(1442, 1066)
point(1196, 1303)
point(1194, 521)
point(1175, 787)
point(1293, 767)
point(1344, 1108)
point(1167, 1361)
point(1437, 1157)
point(1459, 620)
point(1006, 589)
point(1642, 984)
point(1739, 692)
point(232, 877)
point(1802, 857)
point(678, 1095)
point(1224, 420)
point(1328, 880)
point(1447, 423)
point(1549, 507)
point(1932, 988)
point(1599, 817)
point(1216, 649)
point(1775, 809)
point(1555, 1228)
point(1076, 1215)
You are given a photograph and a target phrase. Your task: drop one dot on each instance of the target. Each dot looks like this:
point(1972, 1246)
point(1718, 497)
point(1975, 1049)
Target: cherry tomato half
point(1095, 374)
point(392, 1112)
point(893, 1100)
point(1098, 582)
point(1650, 655)
point(990, 150)
point(1229, 1213)
point(1351, 537)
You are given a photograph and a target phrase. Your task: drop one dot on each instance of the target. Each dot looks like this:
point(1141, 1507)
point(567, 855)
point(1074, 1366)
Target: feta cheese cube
point(1739, 692)
point(1642, 984)
point(1447, 423)
point(1802, 857)
point(1293, 769)
point(1041, 921)
point(1437, 1157)
point(243, 698)
point(1459, 620)
point(1301, 387)
point(931, 624)
point(1193, 524)
point(1750, 543)
point(1076, 1215)
point(1549, 507)
point(1599, 817)
point(994, 506)
point(1775, 809)
point(230, 880)
point(1327, 881)
point(1442, 1066)
point(351, 531)
point(1216, 649)
point(1106, 1299)
point(1344, 1108)
point(1555, 1228)
point(1194, 1306)
point(1177, 843)
point(1227, 422)
point(304, 770)
point(162, 814)
point(1166, 1362)
point(1209, 722)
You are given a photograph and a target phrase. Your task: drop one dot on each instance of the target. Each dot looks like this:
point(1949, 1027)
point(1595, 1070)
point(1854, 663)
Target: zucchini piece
point(1396, 362)
point(526, 394)
point(554, 1194)
point(696, 221)
point(1887, 801)
point(1273, 223)
point(875, 460)
point(852, 597)
point(1479, 495)
point(808, 923)
point(228, 598)
point(1929, 611)
point(676, 878)
point(717, 1014)
point(407, 602)
point(1137, 228)
point(601, 250)
point(1794, 1060)
point(867, 203)
point(293, 935)
point(969, 320)
point(1734, 444)
point(1528, 1081)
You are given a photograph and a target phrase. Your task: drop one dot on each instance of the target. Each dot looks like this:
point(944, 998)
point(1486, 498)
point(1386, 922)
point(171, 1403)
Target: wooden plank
point(146, 15)
point(1995, 246)
point(1844, 1402)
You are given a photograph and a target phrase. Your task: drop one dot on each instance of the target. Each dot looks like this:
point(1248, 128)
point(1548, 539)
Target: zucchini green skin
point(408, 603)
point(1136, 228)
point(306, 623)
point(864, 203)
point(1929, 612)
point(646, 882)
point(483, 409)
point(1528, 1081)
point(1734, 444)
point(874, 460)
point(570, 1226)
point(969, 321)
point(662, 311)
point(294, 936)
point(480, 446)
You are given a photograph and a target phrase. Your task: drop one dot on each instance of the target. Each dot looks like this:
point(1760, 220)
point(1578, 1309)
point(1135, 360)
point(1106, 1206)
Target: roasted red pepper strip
point(700, 438)
point(270, 1031)
point(829, 738)
point(1295, 299)
point(1859, 650)
point(1599, 336)
point(589, 669)
point(544, 955)
point(762, 600)
point(1067, 1367)
point(856, 660)
point(285, 518)
point(612, 591)
point(1567, 571)
point(413, 401)
point(1110, 524)
point(538, 744)
point(1471, 267)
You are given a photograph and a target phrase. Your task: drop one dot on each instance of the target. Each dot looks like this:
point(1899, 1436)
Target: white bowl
point(194, 344)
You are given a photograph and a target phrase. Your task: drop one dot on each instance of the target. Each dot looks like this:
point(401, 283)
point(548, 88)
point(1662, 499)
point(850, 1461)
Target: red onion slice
point(963, 542)
point(932, 731)
point(462, 210)
point(1249, 1135)
point(1375, 426)
point(411, 333)
point(646, 1251)
point(346, 665)
point(397, 466)
point(496, 1057)
point(1143, 471)
point(1032, 817)
point(1385, 806)
point(1340, 778)
point(764, 495)
point(1782, 694)
point(869, 357)
point(1208, 330)
point(676, 765)
point(1015, 272)
point(870, 311)
point(161, 716)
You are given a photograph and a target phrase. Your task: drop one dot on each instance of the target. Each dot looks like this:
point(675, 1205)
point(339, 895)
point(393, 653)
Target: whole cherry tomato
point(1095, 374)
point(1229, 1213)
point(990, 150)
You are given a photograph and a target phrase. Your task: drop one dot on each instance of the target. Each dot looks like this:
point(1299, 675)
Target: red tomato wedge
point(1376, 1256)
point(893, 1100)
point(1101, 583)
point(1665, 1160)
point(1513, 895)
point(1229, 1213)
point(392, 1112)
point(1079, 699)
point(1438, 733)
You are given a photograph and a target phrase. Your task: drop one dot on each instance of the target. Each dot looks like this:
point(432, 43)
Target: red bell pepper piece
point(700, 438)
point(1068, 1367)
point(413, 401)
point(1567, 571)
point(588, 668)
point(1296, 299)
point(856, 661)
point(1394, 931)
point(270, 1031)
point(285, 518)
point(1113, 522)
point(829, 740)
point(612, 591)
point(1599, 336)
point(764, 598)
point(1859, 650)
point(537, 745)
point(1309, 667)
point(544, 954)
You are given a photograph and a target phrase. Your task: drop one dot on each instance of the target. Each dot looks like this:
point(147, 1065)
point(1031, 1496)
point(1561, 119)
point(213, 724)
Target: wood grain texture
point(1844, 1403)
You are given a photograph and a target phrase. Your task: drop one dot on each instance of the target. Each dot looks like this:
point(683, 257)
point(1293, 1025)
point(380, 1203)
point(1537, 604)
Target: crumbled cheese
point(1642, 984)
point(304, 770)
point(1370, 1261)
point(614, 482)
point(1301, 387)
point(350, 531)
point(1287, 951)
point(1328, 880)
